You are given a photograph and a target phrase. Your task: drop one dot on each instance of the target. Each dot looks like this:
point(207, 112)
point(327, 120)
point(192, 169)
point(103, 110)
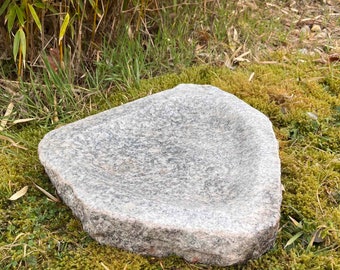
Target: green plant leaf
point(39, 5)
point(293, 239)
point(23, 3)
point(92, 3)
point(64, 27)
point(4, 6)
point(49, 7)
point(23, 44)
point(20, 15)
point(81, 5)
point(10, 17)
point(16, 44)
point(35, 16)
point(94, 6)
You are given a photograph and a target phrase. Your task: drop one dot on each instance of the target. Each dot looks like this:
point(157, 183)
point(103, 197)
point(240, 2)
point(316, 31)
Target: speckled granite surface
point(192, 171)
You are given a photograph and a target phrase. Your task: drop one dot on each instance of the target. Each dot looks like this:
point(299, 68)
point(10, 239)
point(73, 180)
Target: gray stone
point(192, 171)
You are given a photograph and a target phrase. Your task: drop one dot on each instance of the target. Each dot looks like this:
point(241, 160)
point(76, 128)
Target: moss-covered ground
point(301, 98)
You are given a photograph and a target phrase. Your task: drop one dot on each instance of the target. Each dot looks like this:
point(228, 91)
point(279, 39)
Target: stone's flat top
point(193, 159)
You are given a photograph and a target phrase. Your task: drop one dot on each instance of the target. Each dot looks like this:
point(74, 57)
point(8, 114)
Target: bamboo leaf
point(10, 17)
point(49, 195)
point(35, 16)
point(293, 239)
point(24, 3)
point(4, 6)
point(19, 193)
point(8, 112)
point(18, 121)
point(40, 5)
point(23, 44)
point(49, 7)
point(16, 44)
point(20, 15)
point(64, 27)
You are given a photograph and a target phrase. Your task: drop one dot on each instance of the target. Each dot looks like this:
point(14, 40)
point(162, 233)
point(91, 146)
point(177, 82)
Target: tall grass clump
point(95, 47)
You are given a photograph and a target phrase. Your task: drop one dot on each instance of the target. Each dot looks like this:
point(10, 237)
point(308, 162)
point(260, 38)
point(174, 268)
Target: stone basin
point(192, 171)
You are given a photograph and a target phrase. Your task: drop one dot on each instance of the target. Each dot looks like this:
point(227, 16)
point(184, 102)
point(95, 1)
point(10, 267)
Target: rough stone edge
point(85, 215)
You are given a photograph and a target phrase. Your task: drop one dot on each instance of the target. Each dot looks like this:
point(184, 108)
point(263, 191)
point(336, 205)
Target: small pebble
point(303, 51)
point(321, 35)
point(305, 30)
point(316, 28)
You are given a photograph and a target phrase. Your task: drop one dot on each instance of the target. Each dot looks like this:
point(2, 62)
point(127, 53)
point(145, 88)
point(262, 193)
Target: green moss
point(36, 233)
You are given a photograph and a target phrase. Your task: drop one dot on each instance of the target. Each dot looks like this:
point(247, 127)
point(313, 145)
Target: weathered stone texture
point(192, 170)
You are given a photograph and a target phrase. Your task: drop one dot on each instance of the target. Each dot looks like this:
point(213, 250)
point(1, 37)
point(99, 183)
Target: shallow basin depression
point(192, 170)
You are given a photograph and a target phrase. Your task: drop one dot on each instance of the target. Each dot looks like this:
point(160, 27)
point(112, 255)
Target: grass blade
point(5, 138)
point(293, 239)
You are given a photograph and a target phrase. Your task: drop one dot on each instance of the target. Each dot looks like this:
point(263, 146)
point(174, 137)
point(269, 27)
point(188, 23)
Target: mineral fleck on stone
point(192, 171)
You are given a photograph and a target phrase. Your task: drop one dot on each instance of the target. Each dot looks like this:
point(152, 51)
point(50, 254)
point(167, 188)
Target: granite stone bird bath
point(192, 171)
